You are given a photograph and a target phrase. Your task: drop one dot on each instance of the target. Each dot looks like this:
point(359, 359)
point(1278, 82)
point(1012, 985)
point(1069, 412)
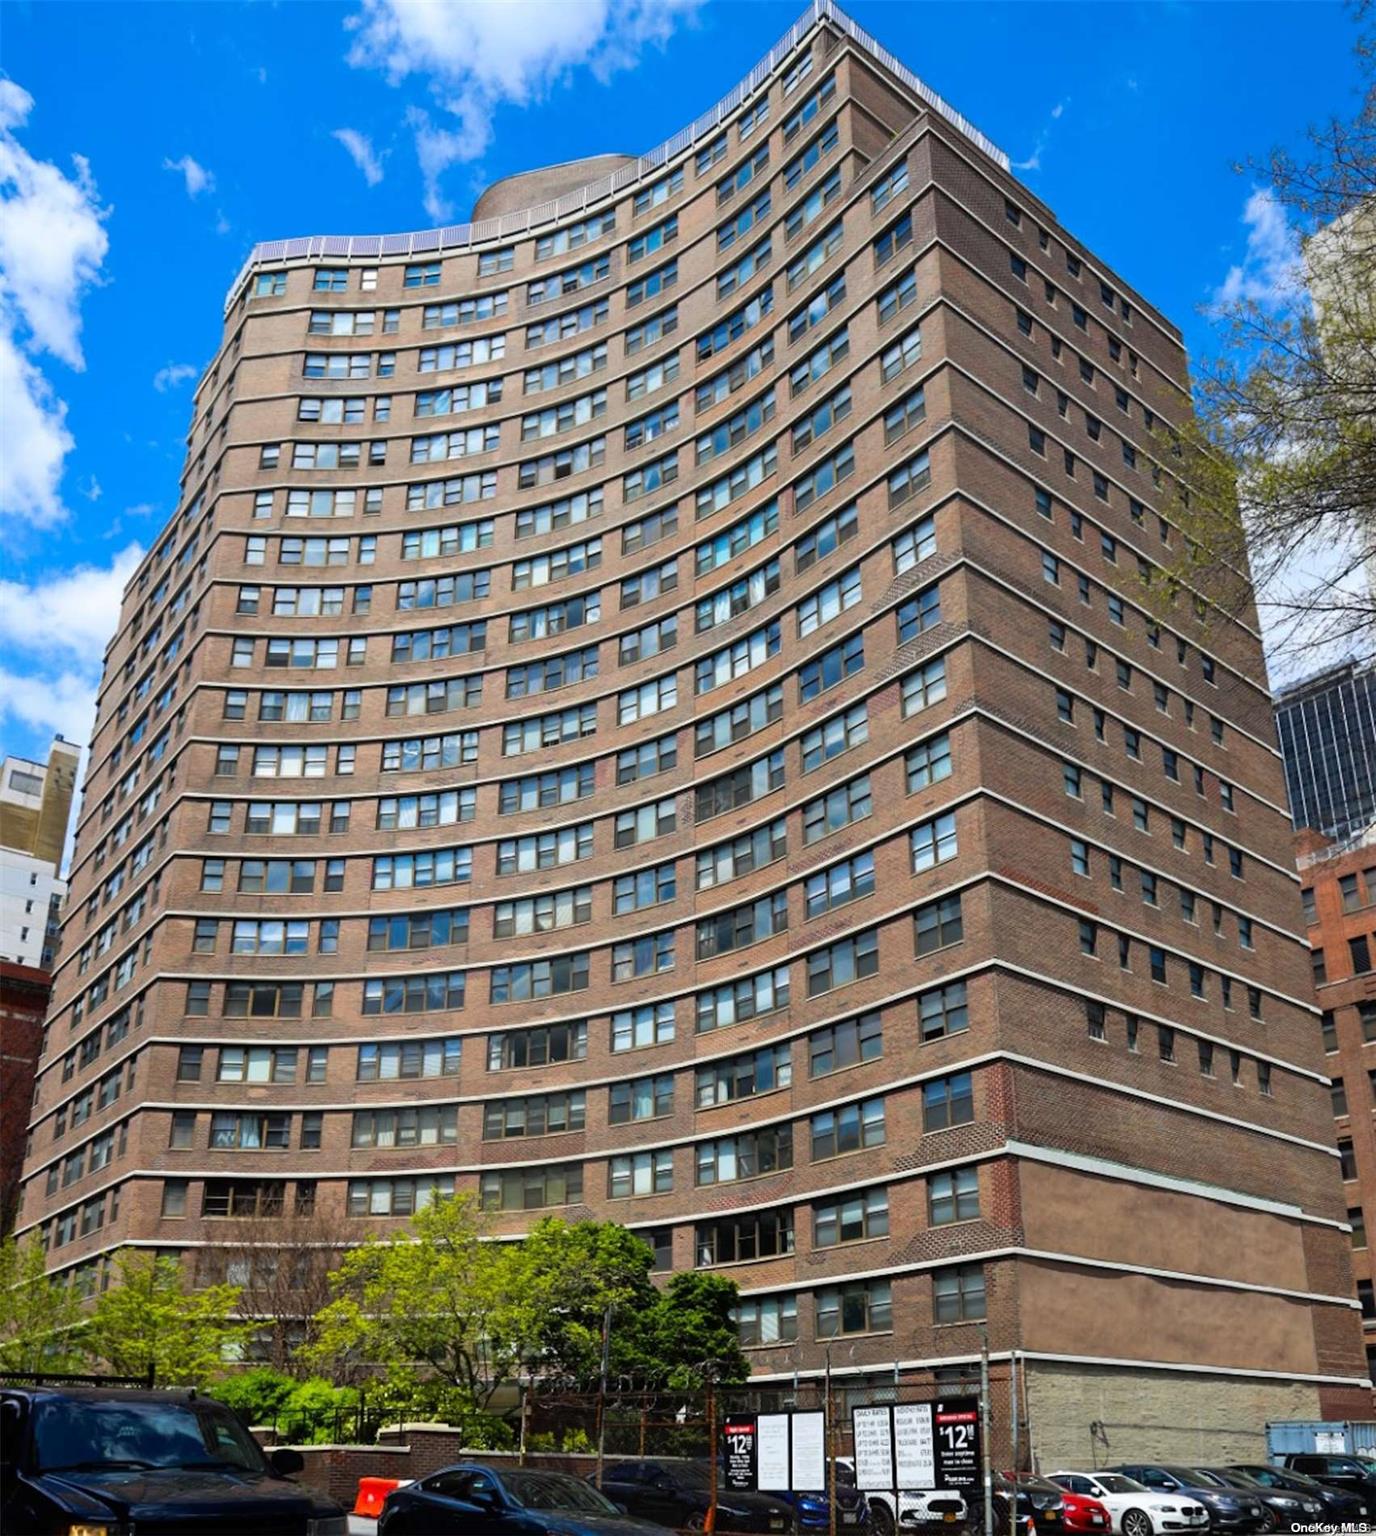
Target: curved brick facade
point(677, 682)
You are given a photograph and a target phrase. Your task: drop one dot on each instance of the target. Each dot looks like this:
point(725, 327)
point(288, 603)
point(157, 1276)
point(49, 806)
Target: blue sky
point(202, 128)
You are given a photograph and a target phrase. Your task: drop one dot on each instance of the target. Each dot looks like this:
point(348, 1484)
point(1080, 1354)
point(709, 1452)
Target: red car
point(1086, 1515)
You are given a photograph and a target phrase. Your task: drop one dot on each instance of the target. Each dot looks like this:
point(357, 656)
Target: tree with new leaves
point(150, 1317)
point(39, 1316)
point(432, 1298)
point(1281, 460)
point(565, 1277)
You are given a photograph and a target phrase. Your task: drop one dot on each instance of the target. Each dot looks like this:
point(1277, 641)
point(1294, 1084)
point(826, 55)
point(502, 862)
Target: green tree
point(151, 1317)
point(560, 1283)
point(564, 1277)
point(432, 1298)
point(690, 1332)
point(39, 1315)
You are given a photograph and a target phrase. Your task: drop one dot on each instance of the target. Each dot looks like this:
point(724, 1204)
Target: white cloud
point(173, 375)
point(197, 178)
point(52, 244)
point(478, 54)
point(361, 152)
point(1271, 270)
point(54, 632)
point(1034, 160)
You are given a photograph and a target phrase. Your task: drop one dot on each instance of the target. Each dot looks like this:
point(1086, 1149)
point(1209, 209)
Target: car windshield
point(1238, 1479)
point(690, 1474)
point(77, 1433)
point(1115, 1482)
point(1039, 1485)
point(1200, 1477)
point(553, 1490)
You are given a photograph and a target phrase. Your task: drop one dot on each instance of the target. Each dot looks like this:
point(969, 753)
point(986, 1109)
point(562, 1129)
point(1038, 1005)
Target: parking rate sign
point(917, 1445)
point(740, 1443)
point(956, 1433)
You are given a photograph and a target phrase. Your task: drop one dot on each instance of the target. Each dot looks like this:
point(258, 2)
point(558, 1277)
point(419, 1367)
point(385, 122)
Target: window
point(850, 1218)
point(635, 1029)
point(958, 1294)
point(933, 842)
point(942, 1011)
point(640, 1173)
point(531, 1188)
point(768, 1319)
point(836, 809)
point(953, 1197)
point(838, 965)
point(948, 1101)
point(863, 1306)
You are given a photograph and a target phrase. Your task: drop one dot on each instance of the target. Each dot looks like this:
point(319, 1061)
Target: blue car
point(469, 1498)
point(810, 1509)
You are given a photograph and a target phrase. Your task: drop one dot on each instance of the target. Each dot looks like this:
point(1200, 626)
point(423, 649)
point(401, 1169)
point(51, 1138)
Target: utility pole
point(1013, 1405)
point(710, 1525)
point(602, 1393)
point(985, 1446)
point(827, 1441)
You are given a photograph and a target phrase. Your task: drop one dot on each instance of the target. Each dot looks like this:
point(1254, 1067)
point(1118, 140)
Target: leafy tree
point(39, 1315)
point(690, 1332)
point(564, 1277)
point(561, 1281)
point(151, 1317)
point(1281, 464)
point(431, 1298)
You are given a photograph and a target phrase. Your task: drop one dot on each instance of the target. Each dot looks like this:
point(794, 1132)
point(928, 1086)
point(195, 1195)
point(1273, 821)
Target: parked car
point(678, 1493)
point(1134, 1509)
point(1340, 1505)
point(1349, 1472)
point(514, 1501)
point(1229, 1508)
point(915, 1509)
point(810, 1511)
point(1283, 1511)
point(1082, 1512)
point(111, 1459)
point(1039, 1506)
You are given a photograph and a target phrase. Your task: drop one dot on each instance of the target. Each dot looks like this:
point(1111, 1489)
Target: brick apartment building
point(1339, 895)
point(644, 711)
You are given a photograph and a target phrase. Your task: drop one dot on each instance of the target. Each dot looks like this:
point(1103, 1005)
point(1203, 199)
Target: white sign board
point(773, 1451)
point(912, 1437)
point(1330, 1442)
point(873, 1449)
point(809, 1453)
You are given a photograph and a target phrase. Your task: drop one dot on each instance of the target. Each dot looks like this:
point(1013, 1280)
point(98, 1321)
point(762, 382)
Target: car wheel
point(697, 1521)
point(1270, 1520)
point(881, 1517)
point(1137, 1523)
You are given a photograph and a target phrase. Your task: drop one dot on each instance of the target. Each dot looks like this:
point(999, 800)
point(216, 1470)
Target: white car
point(1134, 1509)
point(912, 1509)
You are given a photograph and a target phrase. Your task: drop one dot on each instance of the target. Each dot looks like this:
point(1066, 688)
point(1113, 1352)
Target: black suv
point(111, 1460)
point(1349, 1472)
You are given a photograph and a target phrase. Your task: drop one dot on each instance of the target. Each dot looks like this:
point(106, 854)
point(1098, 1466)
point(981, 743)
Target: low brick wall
point(413, 1451)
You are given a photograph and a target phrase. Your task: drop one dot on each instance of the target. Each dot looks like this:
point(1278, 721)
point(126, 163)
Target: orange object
point(372, 1492)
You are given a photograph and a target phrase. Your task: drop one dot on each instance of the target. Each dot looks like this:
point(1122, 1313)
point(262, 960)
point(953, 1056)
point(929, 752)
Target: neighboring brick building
point(24, 993)
point(1338, 887)
point(744, 797)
